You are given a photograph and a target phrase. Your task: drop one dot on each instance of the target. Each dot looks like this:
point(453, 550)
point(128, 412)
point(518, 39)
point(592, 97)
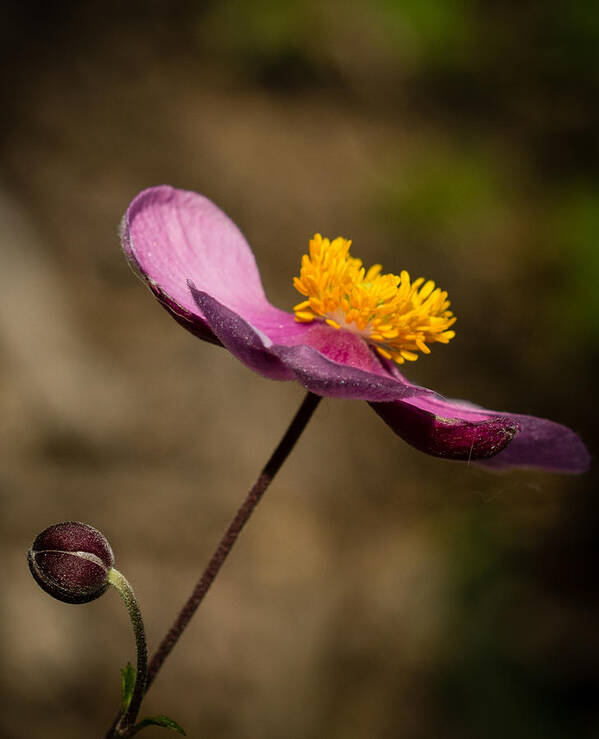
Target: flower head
point(344, 340)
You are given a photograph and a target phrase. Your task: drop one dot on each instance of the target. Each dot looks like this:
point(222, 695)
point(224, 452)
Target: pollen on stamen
point(397, 316)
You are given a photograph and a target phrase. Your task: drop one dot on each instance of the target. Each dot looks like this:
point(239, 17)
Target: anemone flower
point(345, 339)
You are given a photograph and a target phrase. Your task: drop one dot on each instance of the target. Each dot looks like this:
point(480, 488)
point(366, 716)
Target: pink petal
point(171, 235)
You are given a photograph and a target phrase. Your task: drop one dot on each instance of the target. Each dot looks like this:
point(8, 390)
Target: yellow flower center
point(397, 316)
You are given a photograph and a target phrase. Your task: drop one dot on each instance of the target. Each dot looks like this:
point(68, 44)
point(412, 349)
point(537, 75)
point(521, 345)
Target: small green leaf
point(160, 720)
point(127, 686)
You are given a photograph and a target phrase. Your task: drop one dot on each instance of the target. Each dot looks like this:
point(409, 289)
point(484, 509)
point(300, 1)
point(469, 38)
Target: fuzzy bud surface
point(71, 561)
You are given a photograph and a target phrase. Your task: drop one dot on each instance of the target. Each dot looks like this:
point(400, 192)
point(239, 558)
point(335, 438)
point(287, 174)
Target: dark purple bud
point(71, 561)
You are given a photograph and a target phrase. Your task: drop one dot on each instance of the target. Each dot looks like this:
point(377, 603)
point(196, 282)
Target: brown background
point(377, 592)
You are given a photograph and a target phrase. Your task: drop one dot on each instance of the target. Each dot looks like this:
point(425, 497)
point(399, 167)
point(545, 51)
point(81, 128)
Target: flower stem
point(128, 716)
point(229, 538)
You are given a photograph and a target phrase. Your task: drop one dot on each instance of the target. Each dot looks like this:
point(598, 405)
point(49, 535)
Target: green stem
point(127, 719)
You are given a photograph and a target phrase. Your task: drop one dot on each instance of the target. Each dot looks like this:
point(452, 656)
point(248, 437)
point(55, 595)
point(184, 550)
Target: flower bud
point(71, 561)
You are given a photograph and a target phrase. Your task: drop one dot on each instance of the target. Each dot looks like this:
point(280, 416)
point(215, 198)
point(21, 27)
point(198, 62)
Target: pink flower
point(200, 267)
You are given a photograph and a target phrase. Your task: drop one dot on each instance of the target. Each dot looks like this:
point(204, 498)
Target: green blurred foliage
point(573, 230)
point(439, 193)
point(263, 28)
point(430, 32)
point(510, 663)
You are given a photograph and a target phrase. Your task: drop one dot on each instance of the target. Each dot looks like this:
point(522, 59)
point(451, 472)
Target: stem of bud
point(128, 717)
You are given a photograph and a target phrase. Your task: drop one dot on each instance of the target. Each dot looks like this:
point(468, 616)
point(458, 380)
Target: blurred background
point(377, 592)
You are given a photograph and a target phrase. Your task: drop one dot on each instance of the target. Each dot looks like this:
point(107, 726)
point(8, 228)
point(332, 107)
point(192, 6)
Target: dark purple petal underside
point(500, 441)
point(451, 438)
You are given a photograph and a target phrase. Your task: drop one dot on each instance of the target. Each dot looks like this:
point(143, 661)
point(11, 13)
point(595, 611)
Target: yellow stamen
point(397, 316)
